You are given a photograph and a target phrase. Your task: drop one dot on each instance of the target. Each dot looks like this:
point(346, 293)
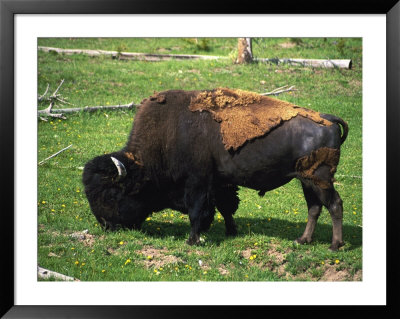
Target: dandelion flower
point(76, 262)
point(127, 261)
point(83, 264)
point(337, 261)
point(103, 271)
point(252, 257)
point(121, 242)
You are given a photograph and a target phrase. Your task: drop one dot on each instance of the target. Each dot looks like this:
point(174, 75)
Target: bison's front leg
point(227, 202)
point(199, 203)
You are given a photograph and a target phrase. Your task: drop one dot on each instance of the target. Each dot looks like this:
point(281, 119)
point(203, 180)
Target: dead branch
point(92, 108)
point(280, 90)
point(50, 111)
point(53, 98)
point(41, 97)
point(55, 154)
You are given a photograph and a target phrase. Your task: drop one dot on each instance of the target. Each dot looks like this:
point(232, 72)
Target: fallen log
point(130, 55)
point(315, 63)
point(47, 274)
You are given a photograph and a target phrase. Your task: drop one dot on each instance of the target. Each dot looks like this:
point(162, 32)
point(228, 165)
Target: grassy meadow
point(71, 242)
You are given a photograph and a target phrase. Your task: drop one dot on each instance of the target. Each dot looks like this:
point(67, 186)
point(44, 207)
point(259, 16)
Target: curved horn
point(120, 167)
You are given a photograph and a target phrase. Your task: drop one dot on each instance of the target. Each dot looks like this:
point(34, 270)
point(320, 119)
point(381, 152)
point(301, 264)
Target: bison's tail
point(338, 120)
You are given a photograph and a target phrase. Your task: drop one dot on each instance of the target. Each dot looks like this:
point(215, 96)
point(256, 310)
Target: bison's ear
point(120, 167)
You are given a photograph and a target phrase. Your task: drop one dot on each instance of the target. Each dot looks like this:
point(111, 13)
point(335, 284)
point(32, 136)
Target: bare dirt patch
point(194, 71)
point(222, 270)
point(85, 238)
point(278, 256)
point(157, 257)
point(246, 253)
point(287, 45)
point(358, 276)
point(332, 274)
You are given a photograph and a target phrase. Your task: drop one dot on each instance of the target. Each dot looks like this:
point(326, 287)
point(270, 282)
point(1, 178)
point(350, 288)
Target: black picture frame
point(8, 10)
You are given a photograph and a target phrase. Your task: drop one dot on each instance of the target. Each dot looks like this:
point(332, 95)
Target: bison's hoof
point(302, 241)
point(231, 232)
point(336, 246)
point(193, 241)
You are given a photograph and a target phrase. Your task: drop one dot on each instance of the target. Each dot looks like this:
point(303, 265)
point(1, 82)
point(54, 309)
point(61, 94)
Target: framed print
point(68, 252)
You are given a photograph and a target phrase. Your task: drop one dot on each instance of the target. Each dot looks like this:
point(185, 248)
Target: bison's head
point(113, 186)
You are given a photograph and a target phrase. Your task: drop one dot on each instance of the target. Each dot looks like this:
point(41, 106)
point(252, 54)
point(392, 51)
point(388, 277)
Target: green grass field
point(71, 242)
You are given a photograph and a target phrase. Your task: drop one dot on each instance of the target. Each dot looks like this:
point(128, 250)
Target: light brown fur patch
point(246, 115)
point(133, 158)
point(307, 165)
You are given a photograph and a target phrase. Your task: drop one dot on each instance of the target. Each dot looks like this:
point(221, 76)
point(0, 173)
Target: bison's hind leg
point(317, 192)
point(314, 210)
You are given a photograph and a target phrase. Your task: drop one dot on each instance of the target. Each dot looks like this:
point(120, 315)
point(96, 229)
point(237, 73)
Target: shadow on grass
point(278, 228)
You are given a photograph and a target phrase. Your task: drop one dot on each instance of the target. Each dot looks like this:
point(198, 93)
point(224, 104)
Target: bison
point(175, 158)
